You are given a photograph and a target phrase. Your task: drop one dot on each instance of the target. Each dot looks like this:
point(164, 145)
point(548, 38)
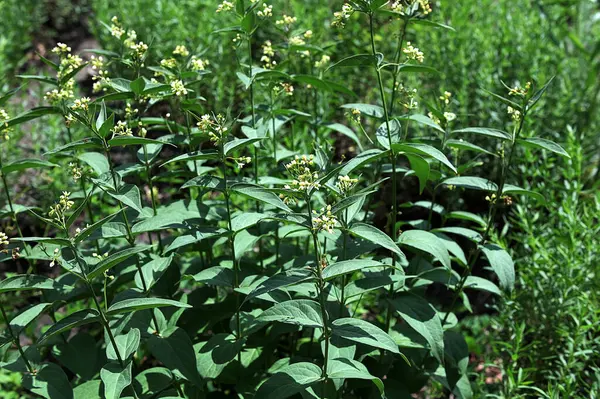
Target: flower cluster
point(520, 91)
point(325, 59)
point(57, 211)
point(266, 12)
point(302, 170)
point(122, 129)
point(55, 257)
point(214, 126)
point(407, 97)
point(68, 64)
point(181, 50)
point(449, 116)
point(296, 41)
point(81, 104)
point(446, 97)
point(286, 21)
point(170, 63)
point(101, 78)
point(3, 241)
point(116, 29)
point(268, 54)
point(242, 161)
point(404, 7)
point(178, 88)
point(76, 171)
point(345, 183)
point(225, 6)
point(198, 64)
point(130, 112)
point(4, 117)
point(340, 17)
point(413, 53)
point(324, 220)
point(288, 89)
point(514, 113)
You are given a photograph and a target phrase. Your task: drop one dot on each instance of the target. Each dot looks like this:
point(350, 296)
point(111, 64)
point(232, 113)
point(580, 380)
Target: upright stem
point(152, 198)
point(232, 245)
point(15, 339)
point(474, 256)
point(393, 161)
point(130, 236)
point(397, 61)
point(274, 157)
point(322, 298)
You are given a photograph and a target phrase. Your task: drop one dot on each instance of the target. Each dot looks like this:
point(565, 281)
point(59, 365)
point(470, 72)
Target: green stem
point(397, 61)
point(393, 161)
point(15, 339)
point(152, 198)
point(232, 245)
point(474, 256)
point(322, 298)
point(130, 236)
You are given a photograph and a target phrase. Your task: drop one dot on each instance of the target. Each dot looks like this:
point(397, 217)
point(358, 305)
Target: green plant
point(272, 281)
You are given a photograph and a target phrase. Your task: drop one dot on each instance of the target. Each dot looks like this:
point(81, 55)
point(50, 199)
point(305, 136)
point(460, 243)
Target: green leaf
point(280, 280)
point(86, 232)
point(121, 141)
point(381, 134)
point(432, 24)
point(424, 319)
point(150, 382)
point(289, 380)
point(424, 149)
point(26, 282)
point(537, 142)
point(466, 146)
point(408, 68)
point(301, 312)
point(511, 189)
point(83, 144)
point(501, 263)
point(24, 164)
point(127, 344)
point(461, 231)
point(79, 318)
point(484, 131)
point(206, 182)
point(349, 266)
point(96, 161)
point(363, 332)
point(152, 272)
point(88, 390)
point(472, 182)
point(366, 60)
point(217, 275)
point(376, 236)
point(193, 156)
point(457, 357)
point(346, 131)
point(481, 284)
point(115, 259)
point(261, 194)
point(138, 85)
point(362, 159)
point(193, 237)
point(81, 355)
point(115, 379)
point(348, 368)
point(421, 169)
point(462, 215)
point(426, 242)
point(18, 323)
point(366, 109)
point(40, 78)
point(538, 94)
point(50, 382)
point(128, 195)
point(214, 355)
point(424, 120)
point(238, 143)
point(174, 349)
point(134, 304)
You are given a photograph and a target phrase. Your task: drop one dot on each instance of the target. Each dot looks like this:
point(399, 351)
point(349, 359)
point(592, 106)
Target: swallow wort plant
point(198, 252)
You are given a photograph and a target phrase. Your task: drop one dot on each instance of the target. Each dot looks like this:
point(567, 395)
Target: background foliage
point(542, 340)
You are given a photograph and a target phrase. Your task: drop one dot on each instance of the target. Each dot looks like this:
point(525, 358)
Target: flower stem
point(393, 161)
